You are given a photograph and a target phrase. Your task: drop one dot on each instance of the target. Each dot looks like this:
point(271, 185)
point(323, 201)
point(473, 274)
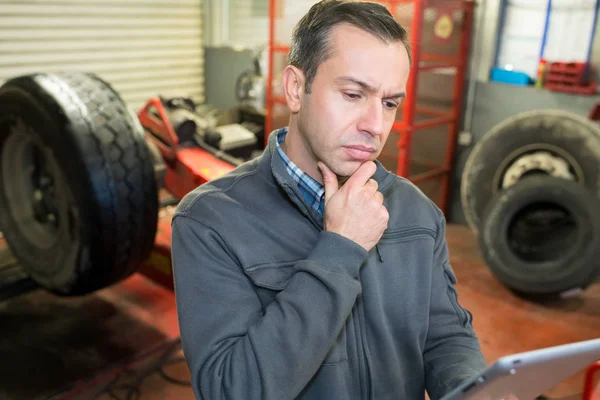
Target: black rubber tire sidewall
point(118, 214)
point(24, 100)
point(576, 269)
point(576, 136)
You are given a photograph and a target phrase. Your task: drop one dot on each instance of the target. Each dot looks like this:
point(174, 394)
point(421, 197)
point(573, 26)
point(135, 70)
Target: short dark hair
point(310, 45)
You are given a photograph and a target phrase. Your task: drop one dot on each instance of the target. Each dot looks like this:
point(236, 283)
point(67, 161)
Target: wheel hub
point(538, 162)
point(29, 176)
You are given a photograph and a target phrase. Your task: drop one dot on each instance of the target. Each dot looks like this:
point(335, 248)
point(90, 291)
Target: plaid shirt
point(313, 191)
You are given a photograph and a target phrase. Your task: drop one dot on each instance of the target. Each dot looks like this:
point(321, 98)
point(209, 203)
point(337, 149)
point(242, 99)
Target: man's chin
point(347, 169)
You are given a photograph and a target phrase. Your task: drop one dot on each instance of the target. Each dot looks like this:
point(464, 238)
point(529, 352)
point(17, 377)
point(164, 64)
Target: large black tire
point(541, 236)
point(563, 134)
point(78, 196)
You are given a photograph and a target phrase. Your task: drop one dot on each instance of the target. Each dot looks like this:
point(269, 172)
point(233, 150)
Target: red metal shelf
point(409, 125)
point(430, 111)
point(434, 173)
point(281, 49)
point(583, 89)
point(440, 58)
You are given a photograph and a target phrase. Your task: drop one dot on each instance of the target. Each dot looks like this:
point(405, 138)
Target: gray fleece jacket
point(271, 306)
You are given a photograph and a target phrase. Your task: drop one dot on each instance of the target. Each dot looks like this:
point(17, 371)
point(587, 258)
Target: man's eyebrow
point(362, 84)
point(400, 95)
point(366, 86)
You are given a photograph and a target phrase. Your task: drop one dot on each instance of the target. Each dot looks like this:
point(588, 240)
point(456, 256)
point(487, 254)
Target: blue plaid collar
point(312, 191)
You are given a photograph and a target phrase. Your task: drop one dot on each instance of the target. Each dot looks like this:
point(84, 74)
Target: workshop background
point(500, 128)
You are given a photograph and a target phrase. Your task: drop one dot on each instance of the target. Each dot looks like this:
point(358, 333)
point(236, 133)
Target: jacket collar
point(272, 165)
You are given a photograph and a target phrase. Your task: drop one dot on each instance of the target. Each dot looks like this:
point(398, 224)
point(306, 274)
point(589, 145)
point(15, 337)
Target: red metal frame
point(421, 62)
point(155, 121)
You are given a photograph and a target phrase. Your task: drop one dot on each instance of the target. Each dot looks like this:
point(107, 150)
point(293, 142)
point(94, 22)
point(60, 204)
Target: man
point(290, 284)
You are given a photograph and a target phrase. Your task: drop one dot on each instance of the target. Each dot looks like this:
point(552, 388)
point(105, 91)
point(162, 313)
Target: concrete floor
point(509, 324)
point(102, 345)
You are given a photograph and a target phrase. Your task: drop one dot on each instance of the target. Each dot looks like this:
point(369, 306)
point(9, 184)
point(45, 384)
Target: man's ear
point(293, 87)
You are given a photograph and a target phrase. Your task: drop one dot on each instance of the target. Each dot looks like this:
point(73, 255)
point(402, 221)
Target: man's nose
point(371, 120)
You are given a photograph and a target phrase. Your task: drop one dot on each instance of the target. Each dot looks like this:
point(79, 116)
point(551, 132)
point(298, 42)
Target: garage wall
point(249, 23)
point(142, 47)
point(569, 35)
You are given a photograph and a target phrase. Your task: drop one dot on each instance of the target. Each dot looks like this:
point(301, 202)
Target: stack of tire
point(530, 190)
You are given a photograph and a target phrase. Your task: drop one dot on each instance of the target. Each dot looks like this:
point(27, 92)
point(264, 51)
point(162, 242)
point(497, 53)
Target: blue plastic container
point(510, 77)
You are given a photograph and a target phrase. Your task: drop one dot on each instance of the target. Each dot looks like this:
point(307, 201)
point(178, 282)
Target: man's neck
point(298, 151)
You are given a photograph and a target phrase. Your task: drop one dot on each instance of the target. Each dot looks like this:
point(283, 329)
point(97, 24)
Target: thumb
point(329, 181)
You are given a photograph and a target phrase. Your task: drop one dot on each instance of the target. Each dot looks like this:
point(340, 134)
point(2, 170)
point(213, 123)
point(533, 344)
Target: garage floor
point(123, 340)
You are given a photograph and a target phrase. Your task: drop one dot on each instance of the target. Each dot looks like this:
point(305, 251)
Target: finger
point(329, 181)
point(378, 197)
point(372, 186)
point(362, 174)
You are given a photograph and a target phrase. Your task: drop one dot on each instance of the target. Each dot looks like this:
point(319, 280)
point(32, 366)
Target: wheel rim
point(538, 158)
point(35, 189)
point(541, 162)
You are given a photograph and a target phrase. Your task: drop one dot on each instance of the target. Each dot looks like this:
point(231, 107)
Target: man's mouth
point(360, 152)
point(362, 148)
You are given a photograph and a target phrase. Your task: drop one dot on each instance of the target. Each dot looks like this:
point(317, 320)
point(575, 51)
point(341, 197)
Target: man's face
point(347, 117)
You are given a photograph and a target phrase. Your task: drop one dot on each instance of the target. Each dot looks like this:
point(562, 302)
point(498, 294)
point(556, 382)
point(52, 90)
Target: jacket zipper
point(365, 368)
point(379, 252)
point(403, 234)
point(408, 233)
point(360, 352)
point(368, 389)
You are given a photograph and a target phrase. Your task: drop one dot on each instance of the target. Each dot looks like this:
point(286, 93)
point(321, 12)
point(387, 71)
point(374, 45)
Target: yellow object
point(443, 27)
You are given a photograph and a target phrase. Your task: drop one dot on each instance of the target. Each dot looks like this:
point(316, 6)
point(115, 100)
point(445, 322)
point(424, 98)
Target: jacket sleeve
point(452, 351)
point(235, 348)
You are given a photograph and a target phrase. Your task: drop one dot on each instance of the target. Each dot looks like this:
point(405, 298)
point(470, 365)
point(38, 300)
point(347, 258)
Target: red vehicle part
point(187, 168)
point(591, 389)
point(159, 130)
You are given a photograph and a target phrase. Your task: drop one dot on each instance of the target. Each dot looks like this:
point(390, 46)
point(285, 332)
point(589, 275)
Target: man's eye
point(391, 105)
point(352, 96)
